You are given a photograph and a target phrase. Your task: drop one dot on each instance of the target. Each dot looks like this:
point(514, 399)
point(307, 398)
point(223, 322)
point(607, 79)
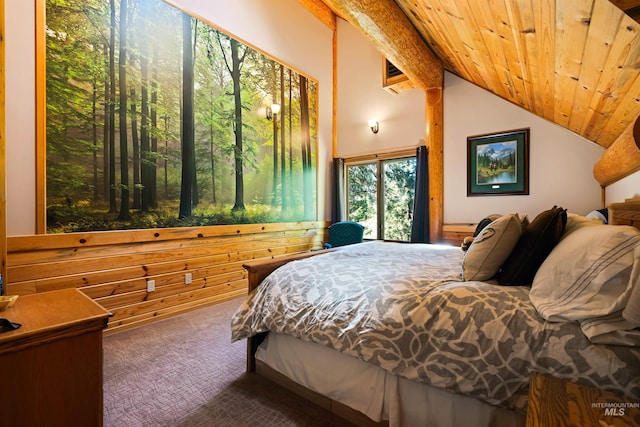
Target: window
point(380, 196)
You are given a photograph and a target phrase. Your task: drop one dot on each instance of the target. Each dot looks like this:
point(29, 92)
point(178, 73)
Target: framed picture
point(498, 163)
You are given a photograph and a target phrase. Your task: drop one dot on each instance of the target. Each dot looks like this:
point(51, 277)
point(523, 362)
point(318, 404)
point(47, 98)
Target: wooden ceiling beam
point(389, 29)
point(321, 11)
point(622, 158)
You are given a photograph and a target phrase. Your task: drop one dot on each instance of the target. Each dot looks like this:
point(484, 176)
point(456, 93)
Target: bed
point(413, 334)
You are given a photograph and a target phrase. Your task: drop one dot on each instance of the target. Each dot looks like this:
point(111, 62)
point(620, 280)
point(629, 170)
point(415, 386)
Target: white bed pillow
point(593, 276)
point(575, 221)
point(491, 248)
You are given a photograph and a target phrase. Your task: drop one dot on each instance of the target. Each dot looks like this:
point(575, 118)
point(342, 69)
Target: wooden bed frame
point(625, 213)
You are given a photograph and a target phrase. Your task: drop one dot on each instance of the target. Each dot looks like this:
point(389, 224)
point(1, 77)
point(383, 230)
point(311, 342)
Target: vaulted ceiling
point(572, 62)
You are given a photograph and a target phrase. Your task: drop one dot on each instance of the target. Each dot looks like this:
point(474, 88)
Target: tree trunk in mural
point(236, 65)
point(106, 125)
point(145, 148)
point(153, 179)
point(135, 142)
point(94, 126)
point(274, 186)
point(195, 195)
point(306, 149)
point(283, 177)
point(188, 144)
point(112, 110)
point(290, 137)
point(122, 86)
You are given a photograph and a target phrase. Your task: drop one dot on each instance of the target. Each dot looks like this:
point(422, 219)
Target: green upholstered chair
point(344, 233)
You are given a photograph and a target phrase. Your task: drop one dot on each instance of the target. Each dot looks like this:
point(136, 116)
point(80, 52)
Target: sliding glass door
point(380, 196)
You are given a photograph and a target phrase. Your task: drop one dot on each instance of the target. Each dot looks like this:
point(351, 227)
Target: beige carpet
point(185, 371)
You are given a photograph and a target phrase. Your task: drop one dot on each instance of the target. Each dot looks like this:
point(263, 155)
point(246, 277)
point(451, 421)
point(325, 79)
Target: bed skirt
point(374, 392)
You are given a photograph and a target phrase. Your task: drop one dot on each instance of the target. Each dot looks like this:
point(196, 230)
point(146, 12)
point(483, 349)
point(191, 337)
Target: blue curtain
point(420, 225)
point(338, 208)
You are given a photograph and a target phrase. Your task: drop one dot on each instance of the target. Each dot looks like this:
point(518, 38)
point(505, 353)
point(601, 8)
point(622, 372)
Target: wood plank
point(114, 270)
point(153, 304)
point(597, 48)
point(454, 234)
point(114, 278)
point(508, 29)
point(100, 238)
point(626, 112)
point(140, 258)
point(177, 306)
point(494, 51)
point(572, 29)
point(165, 287)
point(432, 18)
point(619, 73)
point(144, 249)
point(542, 48)
point(521, 18)
point(170, 312)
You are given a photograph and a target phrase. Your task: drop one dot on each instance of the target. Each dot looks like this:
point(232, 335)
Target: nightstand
point(52, 366)
point(555, 402)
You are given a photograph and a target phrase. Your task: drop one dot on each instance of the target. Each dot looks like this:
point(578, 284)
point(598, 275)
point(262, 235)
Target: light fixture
point(374, 126)
point(273, 109)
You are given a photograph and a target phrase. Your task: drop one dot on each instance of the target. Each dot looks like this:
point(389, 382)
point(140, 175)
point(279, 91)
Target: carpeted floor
point(185, 371)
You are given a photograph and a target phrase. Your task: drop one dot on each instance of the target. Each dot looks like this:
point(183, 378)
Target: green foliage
point(398, 184)
point(81, 217)
point(361, 196)
point(399, 190)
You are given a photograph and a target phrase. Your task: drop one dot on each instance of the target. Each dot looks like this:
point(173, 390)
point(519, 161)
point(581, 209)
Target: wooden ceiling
point(572, 62)
point(630, 7)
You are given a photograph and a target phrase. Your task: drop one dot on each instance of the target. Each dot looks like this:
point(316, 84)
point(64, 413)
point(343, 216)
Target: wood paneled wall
point(113, 267)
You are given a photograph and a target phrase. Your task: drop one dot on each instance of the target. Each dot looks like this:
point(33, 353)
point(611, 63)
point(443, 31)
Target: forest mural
point(156, 119)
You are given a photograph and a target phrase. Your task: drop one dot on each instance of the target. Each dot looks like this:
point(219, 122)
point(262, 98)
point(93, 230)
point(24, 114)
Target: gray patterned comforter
point(403, 307)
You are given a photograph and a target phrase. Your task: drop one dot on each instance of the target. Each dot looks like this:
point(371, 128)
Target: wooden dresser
point(454, 234)
point(627, 213)
point(51, 367)
point(556, 403)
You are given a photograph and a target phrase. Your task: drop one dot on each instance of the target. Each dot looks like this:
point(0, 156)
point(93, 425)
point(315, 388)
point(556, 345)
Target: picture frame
point(498, 163)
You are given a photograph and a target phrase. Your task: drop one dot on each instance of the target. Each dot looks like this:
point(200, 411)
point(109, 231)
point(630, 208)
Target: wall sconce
point(374, 126)
point(272, 110)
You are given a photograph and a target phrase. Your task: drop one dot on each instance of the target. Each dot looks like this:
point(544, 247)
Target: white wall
point(561, 161)
point(281, 28)
point(20, 117)
point(361, 97)
point(624, 189)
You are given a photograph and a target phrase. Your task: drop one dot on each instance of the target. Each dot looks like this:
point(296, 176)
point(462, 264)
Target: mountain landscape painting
point(157, 119)
point(498, 163)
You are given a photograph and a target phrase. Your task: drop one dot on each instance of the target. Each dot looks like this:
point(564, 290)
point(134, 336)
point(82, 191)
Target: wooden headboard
point(626, 213)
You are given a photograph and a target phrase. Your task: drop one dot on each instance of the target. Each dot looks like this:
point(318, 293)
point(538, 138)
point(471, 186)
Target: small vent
point(392, 70)
point(393, 80)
